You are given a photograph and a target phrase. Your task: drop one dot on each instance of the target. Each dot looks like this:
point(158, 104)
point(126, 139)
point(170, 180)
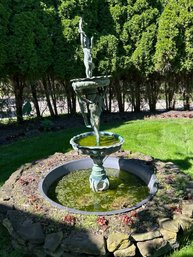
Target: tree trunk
point(71, 98)
point(52, 94)
point(46, 90)
point(35, 100)
point(137, 105)
point(110, 100)
point(18, 91)
point(169, 95)
point(152, 94)
point(118, 94)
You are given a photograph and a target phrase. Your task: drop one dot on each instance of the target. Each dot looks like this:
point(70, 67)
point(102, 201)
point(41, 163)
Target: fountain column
point(98, 178)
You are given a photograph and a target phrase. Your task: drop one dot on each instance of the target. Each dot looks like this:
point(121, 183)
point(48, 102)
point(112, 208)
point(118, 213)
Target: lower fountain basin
point(113, 143)
point(131, 166)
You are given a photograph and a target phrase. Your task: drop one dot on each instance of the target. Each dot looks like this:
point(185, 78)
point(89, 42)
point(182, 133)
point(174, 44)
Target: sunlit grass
point(168, 140)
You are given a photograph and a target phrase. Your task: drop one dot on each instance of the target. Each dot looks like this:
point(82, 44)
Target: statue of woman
point(86, 43)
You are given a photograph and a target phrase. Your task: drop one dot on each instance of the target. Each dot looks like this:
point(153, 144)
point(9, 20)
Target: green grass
point(12, 156)
point(168, 140)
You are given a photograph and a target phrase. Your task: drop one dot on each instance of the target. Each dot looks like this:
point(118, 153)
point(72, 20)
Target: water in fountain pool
point(105, 140)
point(73, 191)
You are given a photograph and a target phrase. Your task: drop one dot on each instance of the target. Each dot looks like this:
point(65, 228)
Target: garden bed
point(152, 230)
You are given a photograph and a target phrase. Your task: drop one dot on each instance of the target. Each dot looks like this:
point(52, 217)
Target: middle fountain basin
point(97, 150)
point(86, 144)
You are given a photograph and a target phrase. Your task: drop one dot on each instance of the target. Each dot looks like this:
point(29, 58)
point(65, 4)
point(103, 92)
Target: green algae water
point(105, 140)
point(73, 191)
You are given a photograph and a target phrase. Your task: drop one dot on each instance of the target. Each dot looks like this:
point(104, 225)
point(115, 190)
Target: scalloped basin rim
point(73, 143)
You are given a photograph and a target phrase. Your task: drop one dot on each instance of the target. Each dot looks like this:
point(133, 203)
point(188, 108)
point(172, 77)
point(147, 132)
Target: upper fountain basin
point(94, 82)
point(111, 143)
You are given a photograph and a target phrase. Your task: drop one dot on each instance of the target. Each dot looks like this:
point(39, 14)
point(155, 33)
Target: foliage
point(145, 45)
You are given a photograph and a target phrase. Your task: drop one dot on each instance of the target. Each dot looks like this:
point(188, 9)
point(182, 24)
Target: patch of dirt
point(12, 132)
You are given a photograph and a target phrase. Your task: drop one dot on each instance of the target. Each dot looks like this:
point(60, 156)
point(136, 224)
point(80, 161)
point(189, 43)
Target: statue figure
point(94, 98)
point(92, 90)
point(86, 44)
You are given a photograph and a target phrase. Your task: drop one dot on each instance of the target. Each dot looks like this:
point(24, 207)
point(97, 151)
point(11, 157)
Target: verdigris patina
point(87, 44)
point(90, 93)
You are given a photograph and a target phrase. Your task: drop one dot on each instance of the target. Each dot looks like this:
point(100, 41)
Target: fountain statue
point(90, 92)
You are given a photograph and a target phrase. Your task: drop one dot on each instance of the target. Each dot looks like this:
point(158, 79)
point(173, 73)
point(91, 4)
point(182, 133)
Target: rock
point(117, 241)
point(81, 242)
point(7, 224)
point(169, 236)
point(168, 224)
point(18, 246)
point(153, 248)
point(37, 251)
point(17, 239)
point(184, 222)
point(52, 242)
point(146, 236)
point(187, 208)
point(32, 232)
point(58, 253)
point(15, 218)
point(69, 255)
point(128, 252)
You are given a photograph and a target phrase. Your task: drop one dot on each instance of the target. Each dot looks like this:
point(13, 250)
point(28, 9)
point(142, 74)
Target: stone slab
point(52, 241)
point(81, 242)
point(169, 236)
point(117, 241)
point(187, 208)
point(128, 252)
point(184, 221)
point(146, 236)
point(168, 224)
point(32, 233)
point(153, 248)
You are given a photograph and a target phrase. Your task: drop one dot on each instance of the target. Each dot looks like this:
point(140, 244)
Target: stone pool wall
point(40, 229)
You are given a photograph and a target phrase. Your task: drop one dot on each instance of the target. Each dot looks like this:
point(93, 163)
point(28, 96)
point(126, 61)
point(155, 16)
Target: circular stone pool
point(155, 227)
point(67, 187)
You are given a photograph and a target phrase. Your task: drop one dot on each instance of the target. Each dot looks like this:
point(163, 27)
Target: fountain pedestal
point(98, 178)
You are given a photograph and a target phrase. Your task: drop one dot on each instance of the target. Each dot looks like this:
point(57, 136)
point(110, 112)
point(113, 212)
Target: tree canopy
point(147, 46)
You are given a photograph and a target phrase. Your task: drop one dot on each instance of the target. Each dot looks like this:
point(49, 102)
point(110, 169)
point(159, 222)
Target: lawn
point(168, 140)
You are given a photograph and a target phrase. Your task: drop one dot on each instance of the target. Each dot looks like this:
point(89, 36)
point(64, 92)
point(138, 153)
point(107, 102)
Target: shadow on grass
point(184, 164)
